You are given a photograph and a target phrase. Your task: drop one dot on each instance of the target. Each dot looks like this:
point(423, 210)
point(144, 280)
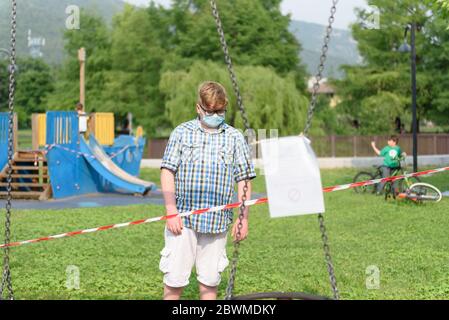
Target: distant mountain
point(342, 49)
point(46, 19)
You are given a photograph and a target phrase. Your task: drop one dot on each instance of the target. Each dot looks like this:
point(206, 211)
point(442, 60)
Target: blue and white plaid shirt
point(207, 165)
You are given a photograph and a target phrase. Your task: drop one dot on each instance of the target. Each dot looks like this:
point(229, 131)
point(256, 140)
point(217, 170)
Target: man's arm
point(373, 145)
point(240, 193)
point(168, 192)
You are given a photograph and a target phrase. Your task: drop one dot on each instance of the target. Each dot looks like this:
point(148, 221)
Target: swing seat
point(280, 296)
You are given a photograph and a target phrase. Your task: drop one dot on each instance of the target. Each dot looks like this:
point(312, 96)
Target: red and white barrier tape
point(389, 179)
point(133, 223)
point(113, 155)
point(223, 207)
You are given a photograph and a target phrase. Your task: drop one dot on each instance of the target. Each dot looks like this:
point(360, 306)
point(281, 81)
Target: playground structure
point(65, 163)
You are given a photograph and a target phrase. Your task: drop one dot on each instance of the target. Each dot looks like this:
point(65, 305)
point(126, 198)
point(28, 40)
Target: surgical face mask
point(213, 121)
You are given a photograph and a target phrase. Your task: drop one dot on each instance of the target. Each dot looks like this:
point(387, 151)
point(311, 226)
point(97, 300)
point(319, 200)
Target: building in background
point(325, 89)
point(35, 45)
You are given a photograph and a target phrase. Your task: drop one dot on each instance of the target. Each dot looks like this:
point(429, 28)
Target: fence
point(347, 146)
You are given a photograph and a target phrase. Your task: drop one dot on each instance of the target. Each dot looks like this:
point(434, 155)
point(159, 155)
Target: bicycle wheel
point(401, 186)
point(364, 176)
point(424, 192)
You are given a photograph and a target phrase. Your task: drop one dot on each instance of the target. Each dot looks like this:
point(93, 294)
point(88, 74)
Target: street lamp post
point(405, 48)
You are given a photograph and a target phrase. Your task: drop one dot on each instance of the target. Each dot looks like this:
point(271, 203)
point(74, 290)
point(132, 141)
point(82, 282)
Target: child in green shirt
point(392, 154)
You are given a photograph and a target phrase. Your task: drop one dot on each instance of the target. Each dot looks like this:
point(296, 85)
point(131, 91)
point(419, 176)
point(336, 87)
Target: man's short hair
point(394, 138)
point(79, 106)
point(212, 95)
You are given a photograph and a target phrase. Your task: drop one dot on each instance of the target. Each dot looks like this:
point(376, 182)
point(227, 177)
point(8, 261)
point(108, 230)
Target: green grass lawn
point(407, 242)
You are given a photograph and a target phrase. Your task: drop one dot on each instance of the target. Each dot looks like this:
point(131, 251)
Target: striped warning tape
point(218, 208)
point(133, 223)
point(382, 180)
point(113, 155)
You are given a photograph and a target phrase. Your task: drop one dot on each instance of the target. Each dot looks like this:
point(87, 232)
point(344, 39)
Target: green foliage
point(33, 82)
point(95, 38)
point(137, 58)
point(127, 62)
point(440, 5)
point(386, 71)
point(330, 119)
point(256, 32)
point(437, 60)
point(375, 109)
point(272, 102)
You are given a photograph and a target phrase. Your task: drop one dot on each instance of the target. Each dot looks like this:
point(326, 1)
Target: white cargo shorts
point(205, 250)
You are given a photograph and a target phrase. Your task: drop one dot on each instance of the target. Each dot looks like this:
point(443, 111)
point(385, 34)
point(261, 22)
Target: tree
point(137, 58)
point(33, 82)
point(437, 60)
point(94, 36)
point(256, 32)
point(386, 72)
point(271, 102)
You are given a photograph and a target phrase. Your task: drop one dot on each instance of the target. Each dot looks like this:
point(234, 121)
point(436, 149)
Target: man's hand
point(373, 144)
point(243, 231)
point(174, 225)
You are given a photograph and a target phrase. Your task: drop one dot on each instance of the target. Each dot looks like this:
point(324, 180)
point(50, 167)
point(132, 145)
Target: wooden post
point(82, 60)
point(333, 146)
point(354, 146)
point(435, 144)
point(15, 133)
point(35, 132)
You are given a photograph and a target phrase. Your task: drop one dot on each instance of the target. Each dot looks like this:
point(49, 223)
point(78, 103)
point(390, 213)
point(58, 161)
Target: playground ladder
point(30, 179)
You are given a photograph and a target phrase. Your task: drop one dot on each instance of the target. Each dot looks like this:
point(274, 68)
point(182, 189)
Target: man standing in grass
point(203, 160)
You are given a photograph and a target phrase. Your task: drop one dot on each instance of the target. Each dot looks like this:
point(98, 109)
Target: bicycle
point(417, 192)
point(365, 176)
point(410, 188)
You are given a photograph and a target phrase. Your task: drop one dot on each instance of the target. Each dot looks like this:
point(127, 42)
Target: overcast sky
point(306, 10)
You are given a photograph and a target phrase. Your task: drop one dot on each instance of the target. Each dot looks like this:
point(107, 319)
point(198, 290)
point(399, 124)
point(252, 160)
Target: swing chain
point(327, 255)
point(319, 75)
point(228, 61)
point(310, 113)
point(6, 276)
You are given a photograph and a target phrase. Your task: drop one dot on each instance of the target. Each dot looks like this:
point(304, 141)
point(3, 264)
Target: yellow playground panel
point(139, 132)
point(39, 127)
point(102, 127)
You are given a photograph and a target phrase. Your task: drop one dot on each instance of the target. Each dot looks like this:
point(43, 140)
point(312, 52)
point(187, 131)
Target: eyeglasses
point(211, 113)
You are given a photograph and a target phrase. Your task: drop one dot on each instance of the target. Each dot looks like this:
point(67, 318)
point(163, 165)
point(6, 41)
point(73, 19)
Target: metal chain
point(310, 113)
point(327, 256)
point(6, 276)
point(228, 61)
point(319, 75)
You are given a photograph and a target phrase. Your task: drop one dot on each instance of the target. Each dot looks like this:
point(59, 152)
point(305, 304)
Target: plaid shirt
point(207, 165)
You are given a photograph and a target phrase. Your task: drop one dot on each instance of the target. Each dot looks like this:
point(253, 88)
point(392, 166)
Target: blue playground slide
point(108, 170)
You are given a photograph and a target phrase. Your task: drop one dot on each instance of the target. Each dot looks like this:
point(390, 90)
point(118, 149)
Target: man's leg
point(208, 293)
point(210, 261)
point(171, 293)
point(177, 259)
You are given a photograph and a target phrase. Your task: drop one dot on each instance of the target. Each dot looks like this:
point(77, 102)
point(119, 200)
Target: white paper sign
point(292, 177)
